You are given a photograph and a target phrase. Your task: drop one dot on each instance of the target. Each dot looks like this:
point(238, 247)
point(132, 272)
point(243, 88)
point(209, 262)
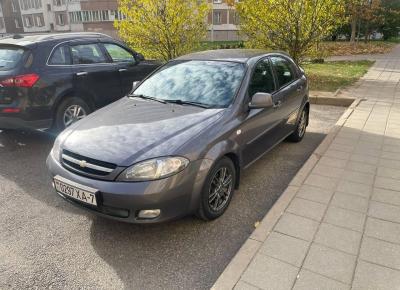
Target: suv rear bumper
point(18, 123)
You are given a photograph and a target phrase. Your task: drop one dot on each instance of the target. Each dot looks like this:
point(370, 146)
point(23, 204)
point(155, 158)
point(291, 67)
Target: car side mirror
point(139, 57)
point(135, 85)
point(261, 100)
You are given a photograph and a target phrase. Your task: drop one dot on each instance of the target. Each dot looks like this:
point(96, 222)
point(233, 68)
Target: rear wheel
point(218, 190)
point(301, 127)
point(70, 111)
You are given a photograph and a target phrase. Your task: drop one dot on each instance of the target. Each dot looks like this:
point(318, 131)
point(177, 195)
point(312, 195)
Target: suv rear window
point(10, 57)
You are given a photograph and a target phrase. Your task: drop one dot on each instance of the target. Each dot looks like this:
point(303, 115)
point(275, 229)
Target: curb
point(234, 270)
point(332, 101)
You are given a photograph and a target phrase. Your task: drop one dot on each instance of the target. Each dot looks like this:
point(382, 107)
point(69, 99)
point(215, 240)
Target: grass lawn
point(330, 76)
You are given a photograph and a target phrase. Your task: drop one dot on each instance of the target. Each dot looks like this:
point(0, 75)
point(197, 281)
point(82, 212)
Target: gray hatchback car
point(179, 142)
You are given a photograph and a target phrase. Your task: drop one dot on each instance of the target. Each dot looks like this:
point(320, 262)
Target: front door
point(130, 69)
point(262, 128)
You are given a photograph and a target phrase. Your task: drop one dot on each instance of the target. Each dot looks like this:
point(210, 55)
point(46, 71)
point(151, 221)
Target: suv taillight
point(24, 81)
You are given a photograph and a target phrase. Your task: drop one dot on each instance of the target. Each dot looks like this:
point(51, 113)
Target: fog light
point(149, 213)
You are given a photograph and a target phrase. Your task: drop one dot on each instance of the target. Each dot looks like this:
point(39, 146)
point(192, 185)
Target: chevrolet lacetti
point(177, 144)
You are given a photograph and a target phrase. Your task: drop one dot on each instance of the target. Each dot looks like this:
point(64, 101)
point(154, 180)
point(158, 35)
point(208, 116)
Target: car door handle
point(299, 89)
point(277, 104)
point(122, 69)
point(81, 73)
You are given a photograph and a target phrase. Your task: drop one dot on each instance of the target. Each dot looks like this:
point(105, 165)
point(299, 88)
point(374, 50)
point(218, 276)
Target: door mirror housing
point(139, 57)
point(135, 85)
point(261, 100)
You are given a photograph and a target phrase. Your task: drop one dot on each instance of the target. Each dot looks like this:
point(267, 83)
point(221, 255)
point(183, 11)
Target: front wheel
point(301, 127)
point(218, 190)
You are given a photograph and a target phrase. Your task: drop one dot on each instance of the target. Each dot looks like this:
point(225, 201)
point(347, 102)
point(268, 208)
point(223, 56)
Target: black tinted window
point(262, 80)
point(283, 70)
point(60, 56)
point(87, 54)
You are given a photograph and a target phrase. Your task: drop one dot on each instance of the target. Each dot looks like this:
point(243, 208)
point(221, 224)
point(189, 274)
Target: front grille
point(86, 165)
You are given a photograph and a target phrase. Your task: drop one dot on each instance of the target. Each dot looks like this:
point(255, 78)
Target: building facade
point(40, 16)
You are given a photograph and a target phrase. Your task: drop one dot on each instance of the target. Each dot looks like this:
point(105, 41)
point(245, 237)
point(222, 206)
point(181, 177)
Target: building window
point(30, 4)
point(17, 24)
point(28, 21)
point(90, 16)
point(14, 7)
point(39, 20)
point(1, 23)
point(58, 2)
point(61, 19)
point(217, 17)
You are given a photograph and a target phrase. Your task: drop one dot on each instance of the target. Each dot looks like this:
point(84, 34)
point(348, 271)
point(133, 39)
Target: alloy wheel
point(73, 114)
point(220, 189)
point(302, 124)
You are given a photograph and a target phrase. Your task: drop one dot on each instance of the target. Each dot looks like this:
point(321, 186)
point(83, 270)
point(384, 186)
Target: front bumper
point(175, 196)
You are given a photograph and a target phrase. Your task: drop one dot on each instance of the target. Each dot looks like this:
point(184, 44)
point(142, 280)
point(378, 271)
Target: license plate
point(76, 191)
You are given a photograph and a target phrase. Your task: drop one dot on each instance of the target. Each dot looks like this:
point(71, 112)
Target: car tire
point(64, 109)
point(214, 189)
point(301, 127)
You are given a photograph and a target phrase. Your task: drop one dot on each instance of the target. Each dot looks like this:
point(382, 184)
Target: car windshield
point(208, 83)
point(9, 57)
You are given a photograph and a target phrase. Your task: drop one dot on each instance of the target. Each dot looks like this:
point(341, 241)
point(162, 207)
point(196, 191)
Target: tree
point(291, 25)
point(364, 14)
point(163, 29)
point(390, 14)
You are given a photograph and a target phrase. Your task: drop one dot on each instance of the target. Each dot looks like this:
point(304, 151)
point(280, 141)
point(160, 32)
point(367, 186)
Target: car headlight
point(153, 169)
point(56, 150)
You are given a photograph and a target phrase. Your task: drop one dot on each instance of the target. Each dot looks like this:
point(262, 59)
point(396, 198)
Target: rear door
point(94, 73)
point(130, 69)
point(289, 87)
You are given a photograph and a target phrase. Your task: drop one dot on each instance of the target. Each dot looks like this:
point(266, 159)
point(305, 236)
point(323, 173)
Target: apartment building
point(39, 16)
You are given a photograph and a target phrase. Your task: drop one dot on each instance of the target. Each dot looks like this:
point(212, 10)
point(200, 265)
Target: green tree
point(390, 14)
point(163, 29)
point(295, 26)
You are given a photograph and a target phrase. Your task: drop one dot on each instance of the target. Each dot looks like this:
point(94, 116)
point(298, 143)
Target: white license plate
point(76, 191)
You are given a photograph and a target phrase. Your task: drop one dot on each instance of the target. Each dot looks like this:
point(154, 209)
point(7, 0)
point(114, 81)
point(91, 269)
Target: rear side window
point(87, 54)
point(118, 53)
point(283, 70)
point(60, 56)
point(10, 57)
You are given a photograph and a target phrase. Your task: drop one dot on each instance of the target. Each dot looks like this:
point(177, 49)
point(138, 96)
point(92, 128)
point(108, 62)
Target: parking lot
point(46, 242)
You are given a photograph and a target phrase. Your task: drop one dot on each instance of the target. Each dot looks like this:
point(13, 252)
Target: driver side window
point(262, 80)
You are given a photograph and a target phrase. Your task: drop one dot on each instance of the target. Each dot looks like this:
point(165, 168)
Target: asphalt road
point(47, 243)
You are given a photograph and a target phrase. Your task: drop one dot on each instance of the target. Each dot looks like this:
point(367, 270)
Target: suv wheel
point(70, 111)
point(218, 190)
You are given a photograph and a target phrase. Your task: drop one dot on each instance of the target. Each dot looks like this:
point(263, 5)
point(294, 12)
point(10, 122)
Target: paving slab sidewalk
point(337, 225)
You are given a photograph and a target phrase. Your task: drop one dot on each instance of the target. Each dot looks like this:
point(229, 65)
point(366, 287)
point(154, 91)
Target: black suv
point(53, 80)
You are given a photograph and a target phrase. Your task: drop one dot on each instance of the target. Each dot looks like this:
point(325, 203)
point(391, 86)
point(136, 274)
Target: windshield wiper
point(182, 102)
point(148, 98)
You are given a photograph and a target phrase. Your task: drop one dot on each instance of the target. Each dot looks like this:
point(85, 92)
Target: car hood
point(131, 130)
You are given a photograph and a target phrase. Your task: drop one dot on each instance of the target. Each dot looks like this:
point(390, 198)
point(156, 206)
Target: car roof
point(236, 55)
point(30, 39)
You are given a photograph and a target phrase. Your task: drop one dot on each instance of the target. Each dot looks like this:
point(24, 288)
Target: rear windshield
point(10, 57)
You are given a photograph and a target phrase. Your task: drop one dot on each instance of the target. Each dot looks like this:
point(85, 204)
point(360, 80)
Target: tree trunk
point(353, 29)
